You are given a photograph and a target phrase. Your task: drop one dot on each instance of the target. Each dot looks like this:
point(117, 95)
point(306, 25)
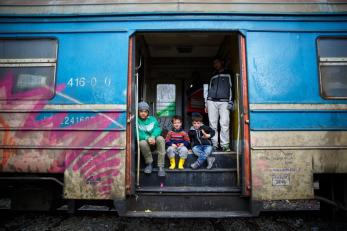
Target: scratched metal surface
point(74, 133)
point(63, 7)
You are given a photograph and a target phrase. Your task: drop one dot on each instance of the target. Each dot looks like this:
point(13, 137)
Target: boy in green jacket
point(150, 135)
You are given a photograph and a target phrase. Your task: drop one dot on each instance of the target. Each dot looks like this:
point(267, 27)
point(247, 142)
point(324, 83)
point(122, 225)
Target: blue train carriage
point(73, 72)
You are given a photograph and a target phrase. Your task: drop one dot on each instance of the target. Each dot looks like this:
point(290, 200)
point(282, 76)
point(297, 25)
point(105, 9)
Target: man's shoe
point(148, 169)
point(226, 148)
point(210, 161)
point(195, 165)
point(161, 172)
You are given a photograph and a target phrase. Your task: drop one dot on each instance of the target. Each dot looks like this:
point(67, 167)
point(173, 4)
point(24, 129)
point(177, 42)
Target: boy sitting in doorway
point(149, 135)
point(177, 141)
point(200, 136)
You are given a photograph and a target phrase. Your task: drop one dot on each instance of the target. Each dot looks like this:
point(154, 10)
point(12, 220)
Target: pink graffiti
point(262, 166)
point(87, 159)
point(7, 84)
point(93, 168)
point(104, 174)
point(101, 166)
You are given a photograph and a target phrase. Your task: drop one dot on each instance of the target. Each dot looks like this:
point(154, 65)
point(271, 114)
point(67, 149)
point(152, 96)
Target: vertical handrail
point(246, 156)
point(238, 129)
point(129, 129)
point(137, 125)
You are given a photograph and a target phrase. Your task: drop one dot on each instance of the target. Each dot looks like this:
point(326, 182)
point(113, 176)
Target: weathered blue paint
point(175, 23)
point(281, 58)
point(72, 118)
point(283, 68)
point(91, 67)
point(323, 120)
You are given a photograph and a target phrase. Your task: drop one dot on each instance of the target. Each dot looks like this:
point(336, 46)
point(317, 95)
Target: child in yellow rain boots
point(177, 142)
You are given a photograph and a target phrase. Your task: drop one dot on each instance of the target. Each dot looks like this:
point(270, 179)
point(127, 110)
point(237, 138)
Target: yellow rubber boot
point(172, 163)
point(181, 163)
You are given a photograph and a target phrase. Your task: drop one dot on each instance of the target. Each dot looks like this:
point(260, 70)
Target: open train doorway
point(173, 71)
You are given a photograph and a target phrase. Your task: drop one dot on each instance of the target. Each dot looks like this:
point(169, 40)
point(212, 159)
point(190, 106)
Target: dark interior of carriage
point(170, 66)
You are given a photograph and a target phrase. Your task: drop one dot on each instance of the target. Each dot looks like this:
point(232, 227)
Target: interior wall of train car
point(175, 64)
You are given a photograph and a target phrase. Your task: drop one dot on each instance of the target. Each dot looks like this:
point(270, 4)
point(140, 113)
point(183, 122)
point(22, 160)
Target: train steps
point(223, 174)
point(191, 193)
point(223, 160)
point(188, 205)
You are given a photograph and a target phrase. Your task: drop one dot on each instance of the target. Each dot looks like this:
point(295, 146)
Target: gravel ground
point(109, 222)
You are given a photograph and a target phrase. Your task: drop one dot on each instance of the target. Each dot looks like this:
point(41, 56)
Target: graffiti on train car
point(87, 147)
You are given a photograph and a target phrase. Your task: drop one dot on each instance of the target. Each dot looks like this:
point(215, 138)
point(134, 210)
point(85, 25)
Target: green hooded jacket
point(148, 128)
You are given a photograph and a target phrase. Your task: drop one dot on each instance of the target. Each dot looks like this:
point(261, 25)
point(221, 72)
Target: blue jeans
point(202, 151)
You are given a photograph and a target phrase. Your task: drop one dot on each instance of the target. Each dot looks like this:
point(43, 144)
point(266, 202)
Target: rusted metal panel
point(329, 161)
point(99, 175)
point(298, 139)
point(298, 106)
point(136, 6)
point(281, 174)
point(288, 174)
point(61, 120)
point(88, 2)
point(32, 160)
point(62, 139)
point(90, 152)
point(81, 128)
point(283, 162)
point(91, 157)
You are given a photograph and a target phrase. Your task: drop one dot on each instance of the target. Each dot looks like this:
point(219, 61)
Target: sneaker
point(214, 149)
point(148, 169)
point(161, 172)
point(226, 148)
point(210, 161)
point(195, 165)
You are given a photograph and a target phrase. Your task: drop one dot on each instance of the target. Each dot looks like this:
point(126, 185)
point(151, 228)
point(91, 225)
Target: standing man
point(219, 103)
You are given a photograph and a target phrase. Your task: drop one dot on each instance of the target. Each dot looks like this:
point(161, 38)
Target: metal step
point(183, 214)
point(187, 202)
point(223, 153)
point(216, 177)
point(188, 189)
point(222, 160)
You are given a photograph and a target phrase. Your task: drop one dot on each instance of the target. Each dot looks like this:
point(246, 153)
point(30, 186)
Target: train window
point(27, 68)
point(166, 100)
point(332, 54)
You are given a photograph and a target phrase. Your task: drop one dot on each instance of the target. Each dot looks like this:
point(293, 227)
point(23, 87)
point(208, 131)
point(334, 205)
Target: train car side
point(68, 116)
point(73, 124)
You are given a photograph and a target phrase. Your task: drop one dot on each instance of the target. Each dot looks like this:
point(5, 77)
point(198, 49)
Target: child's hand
point(151, 140)
point(205, 135)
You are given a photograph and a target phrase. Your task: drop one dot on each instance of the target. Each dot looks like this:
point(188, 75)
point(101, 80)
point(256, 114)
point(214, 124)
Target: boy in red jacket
point(177, 142)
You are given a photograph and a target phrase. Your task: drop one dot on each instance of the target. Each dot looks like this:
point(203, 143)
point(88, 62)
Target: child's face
point(197, 124)
point(143, 114)
point(177, 124)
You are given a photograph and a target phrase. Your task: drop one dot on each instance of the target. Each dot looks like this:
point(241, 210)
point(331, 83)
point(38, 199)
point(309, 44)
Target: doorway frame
point(244, 112)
